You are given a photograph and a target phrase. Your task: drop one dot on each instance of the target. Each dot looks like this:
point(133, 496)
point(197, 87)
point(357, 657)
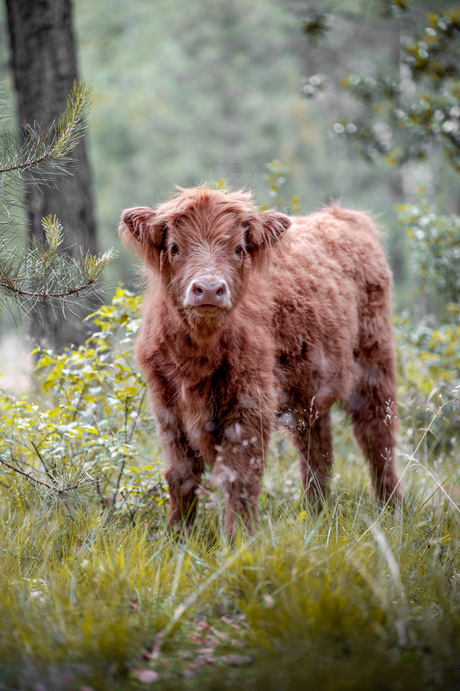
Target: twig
point(126, 419)
point(45, 296)
point(127, 440)
point(42, 460)
point(131, 513)
point(99, 494)
point(80, 398)
point(136, 418)
point(29, 164)
point(63, 490)
point(123, 461)
point(117, 486)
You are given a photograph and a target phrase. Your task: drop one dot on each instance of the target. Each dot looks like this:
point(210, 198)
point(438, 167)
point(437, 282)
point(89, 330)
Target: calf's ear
point(264, 231)
point(144, 233)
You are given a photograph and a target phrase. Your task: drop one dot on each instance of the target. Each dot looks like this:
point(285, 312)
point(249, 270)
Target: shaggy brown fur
point(250, 316)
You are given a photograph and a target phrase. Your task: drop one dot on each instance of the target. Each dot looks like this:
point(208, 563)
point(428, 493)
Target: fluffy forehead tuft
point(206, 211)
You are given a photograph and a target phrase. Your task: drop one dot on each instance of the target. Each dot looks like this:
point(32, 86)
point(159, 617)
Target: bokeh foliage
point(435, 251)
point(403, 118)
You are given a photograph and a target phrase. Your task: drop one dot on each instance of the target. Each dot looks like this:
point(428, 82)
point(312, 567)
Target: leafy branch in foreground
point(435, 239)
point(43, 271)
point(402, 118)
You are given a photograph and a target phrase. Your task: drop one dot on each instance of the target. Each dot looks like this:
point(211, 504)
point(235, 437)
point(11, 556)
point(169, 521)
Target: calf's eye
point(174, 249)
point(238, 250)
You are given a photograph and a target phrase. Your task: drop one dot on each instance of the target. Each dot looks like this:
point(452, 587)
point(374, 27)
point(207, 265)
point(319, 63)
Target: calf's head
point(203, 244)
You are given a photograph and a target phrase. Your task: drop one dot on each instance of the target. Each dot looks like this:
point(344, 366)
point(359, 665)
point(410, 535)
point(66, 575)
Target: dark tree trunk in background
point(44, 67)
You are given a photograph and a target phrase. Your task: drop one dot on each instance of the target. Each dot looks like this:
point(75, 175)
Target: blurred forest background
point(187, 92)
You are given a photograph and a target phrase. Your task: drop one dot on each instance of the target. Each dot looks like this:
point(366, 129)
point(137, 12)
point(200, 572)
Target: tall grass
point(354, 597)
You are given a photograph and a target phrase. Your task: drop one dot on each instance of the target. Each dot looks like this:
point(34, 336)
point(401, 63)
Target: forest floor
point(352, 598)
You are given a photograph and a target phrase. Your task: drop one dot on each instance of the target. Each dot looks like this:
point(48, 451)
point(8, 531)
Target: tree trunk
point(44, 67)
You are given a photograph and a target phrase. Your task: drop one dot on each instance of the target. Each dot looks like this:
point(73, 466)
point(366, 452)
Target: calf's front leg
point(183, 473)
point(239, 467)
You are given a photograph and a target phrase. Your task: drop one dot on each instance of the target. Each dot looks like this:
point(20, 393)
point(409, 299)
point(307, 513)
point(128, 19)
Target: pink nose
point(208, 293)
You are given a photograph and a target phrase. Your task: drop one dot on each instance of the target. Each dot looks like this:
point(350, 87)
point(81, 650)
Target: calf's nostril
point(220, 292)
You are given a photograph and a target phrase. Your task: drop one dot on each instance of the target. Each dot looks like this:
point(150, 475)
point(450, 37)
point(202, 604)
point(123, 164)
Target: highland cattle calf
point(251, 317)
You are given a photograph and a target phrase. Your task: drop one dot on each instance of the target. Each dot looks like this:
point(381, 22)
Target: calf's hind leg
point(313, 441)
point(373, 420)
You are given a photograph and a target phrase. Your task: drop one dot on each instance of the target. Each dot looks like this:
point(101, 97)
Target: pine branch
point(40, 146)
point(27, 164)
point(45, 296)
point(60, 490)
point(43, 272)
point(73, 121)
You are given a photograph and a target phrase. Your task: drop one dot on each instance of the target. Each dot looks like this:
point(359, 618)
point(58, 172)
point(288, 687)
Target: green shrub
point(91, 427)
point(435, 252)
point(429, 349)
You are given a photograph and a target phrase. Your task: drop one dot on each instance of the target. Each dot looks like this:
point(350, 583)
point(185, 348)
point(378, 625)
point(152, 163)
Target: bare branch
point(41, 459)
point(135, 421)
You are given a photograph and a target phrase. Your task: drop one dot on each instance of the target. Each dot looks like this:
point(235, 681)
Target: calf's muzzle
point(212, 292)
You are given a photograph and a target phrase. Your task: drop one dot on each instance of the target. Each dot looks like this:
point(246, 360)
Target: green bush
point(435, 252)
point(91, 428)
point(429, 349)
